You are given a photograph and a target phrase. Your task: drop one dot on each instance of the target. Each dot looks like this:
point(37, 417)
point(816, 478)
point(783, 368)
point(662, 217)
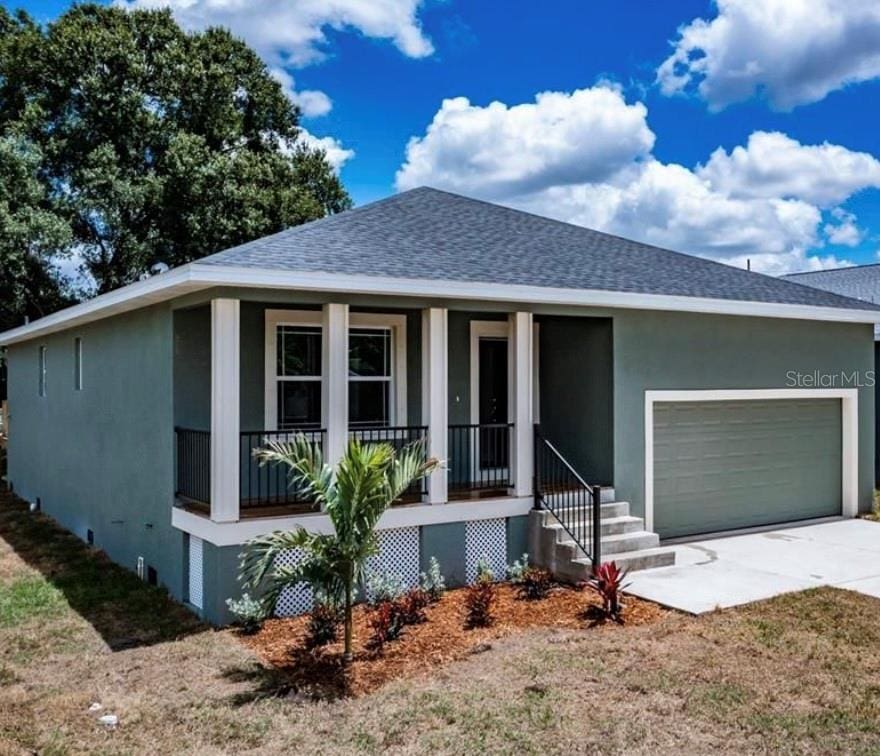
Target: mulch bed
point(441, 639)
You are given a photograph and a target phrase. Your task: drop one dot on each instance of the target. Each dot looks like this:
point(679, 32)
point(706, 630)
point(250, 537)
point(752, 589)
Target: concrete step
point(611, 526)
point(643, 559)
point(608, 509)
point(624, 542)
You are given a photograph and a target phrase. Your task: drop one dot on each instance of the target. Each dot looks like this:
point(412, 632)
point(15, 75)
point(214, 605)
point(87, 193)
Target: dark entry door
point(494, 440)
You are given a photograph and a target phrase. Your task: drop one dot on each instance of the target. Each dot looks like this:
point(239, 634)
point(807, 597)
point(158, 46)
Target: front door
point(494, 452)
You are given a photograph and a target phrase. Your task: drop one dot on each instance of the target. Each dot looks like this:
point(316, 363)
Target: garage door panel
point(735, 464)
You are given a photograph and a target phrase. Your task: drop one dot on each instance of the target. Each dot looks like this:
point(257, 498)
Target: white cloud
point(586, 158)
point(558, 139)
point(312, 102)
point(775, 165)
point(337, 155)
point(791, 52)
point(294, 32)
point(843, 230)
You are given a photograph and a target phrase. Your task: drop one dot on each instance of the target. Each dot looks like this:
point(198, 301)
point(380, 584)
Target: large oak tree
point(138, 143)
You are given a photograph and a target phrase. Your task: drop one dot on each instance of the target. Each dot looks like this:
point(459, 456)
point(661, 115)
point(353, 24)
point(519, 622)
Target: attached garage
point(727, 460)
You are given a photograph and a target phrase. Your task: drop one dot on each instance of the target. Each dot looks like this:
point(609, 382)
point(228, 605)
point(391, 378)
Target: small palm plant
point(354, 495)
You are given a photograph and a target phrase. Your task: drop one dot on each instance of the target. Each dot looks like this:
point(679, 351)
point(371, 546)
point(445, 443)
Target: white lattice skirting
point(296, 599)
point(196, 572)
point(398, 555)
point(486, 539)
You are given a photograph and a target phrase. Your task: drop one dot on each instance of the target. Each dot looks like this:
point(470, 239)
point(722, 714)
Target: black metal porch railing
point(193, 465)
point(479, 457)
point(571, 500)
point(398, 437)
point(270, 484)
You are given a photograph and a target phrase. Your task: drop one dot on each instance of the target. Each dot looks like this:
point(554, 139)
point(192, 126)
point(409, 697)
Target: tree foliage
point(149, 144)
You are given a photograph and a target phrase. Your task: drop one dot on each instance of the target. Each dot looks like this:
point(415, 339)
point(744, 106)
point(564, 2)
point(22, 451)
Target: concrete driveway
point(722, 572)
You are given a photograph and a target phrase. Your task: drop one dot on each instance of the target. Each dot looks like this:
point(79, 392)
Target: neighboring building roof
point(430, 234)
point(857, 281)
point(435, 245)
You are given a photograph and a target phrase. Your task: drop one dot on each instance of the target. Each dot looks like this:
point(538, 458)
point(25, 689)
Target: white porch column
point(334, 382)
point(435, 395)
point(521, 350)
point(225, 394)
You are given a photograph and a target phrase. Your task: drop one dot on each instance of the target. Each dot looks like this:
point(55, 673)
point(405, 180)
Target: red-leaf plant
point(607, 581)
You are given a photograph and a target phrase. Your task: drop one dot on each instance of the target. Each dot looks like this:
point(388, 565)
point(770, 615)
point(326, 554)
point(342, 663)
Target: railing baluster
point(573, 502)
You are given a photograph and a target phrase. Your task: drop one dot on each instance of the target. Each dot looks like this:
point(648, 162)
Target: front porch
point(466, 384)
point(478, 467)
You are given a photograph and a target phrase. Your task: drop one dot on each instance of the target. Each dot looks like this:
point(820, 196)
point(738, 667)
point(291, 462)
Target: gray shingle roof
point(860, 282)
point(430, 234)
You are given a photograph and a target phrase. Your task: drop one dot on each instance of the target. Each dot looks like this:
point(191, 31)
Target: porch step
point(607, 510)
point(624, 540)
point(631, 561)
point(627, 542)
point(615, 525)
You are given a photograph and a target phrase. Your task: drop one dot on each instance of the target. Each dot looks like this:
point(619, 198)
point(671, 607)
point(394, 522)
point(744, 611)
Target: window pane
point(299, 404)
point(77, 363)
point(42, 371)
point(368, 403)
point(299, 351)
point(369, 352)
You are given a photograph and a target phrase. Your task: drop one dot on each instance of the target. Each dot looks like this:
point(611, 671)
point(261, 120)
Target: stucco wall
point(577, 393)
point(659, 350)
point(102, 458)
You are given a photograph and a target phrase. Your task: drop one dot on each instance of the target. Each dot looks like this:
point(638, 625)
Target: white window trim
point(77, 363)
point(43, 370)
point(313, 318)
point(849, 408)
point(486, 329)
point(500, 329)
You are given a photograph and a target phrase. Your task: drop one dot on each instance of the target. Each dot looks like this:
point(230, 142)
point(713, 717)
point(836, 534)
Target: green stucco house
point(591, 396)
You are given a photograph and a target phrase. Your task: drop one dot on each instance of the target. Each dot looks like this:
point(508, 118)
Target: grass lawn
point(797, 674)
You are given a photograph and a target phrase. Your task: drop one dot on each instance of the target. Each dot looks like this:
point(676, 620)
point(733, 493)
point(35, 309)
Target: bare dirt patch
point(443, 638)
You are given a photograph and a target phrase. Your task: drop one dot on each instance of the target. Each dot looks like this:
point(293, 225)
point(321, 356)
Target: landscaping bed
point(442, 638)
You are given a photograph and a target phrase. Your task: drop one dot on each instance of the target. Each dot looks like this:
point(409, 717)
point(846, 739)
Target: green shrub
point(432, 582)
point(324, 622)
point(248, 612)
point(533, 583)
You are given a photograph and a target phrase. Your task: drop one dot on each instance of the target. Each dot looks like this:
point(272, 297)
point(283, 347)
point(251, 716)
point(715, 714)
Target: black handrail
point(193, 465)
point(479, 457)
point(398, 437)
point(569, 498)
point(270, 484)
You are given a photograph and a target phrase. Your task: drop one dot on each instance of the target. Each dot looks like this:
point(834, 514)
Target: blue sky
point(624, 155)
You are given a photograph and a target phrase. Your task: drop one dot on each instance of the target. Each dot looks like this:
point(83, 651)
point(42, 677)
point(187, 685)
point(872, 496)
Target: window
point(42, 371)
point(298, 376)
point(369, 377)
point(376, 350)
point(77, 364)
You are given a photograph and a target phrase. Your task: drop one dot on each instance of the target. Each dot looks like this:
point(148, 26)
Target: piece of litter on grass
point(109, 720)
point(95, 707)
